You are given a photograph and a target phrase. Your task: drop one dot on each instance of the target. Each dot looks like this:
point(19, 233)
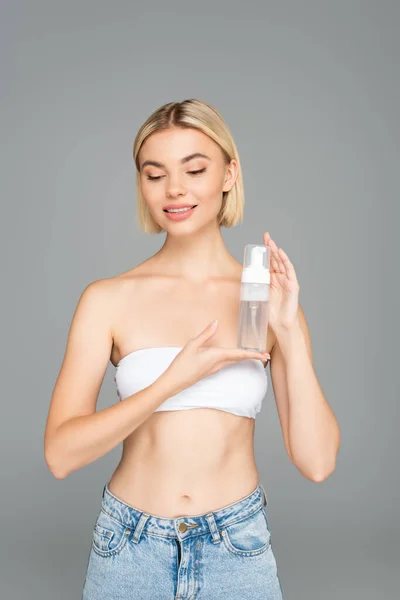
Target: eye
point(197, 172)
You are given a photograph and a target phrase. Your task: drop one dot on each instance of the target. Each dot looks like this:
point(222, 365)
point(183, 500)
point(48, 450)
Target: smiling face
point(183, 166)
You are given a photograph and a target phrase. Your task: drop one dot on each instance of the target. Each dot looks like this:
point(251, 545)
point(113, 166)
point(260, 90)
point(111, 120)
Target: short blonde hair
point(195, 114)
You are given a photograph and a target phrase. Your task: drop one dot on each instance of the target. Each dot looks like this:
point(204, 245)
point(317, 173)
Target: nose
point(175, 187)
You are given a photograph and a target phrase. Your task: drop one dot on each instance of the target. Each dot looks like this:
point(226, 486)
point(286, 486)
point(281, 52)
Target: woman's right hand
point(194, 361)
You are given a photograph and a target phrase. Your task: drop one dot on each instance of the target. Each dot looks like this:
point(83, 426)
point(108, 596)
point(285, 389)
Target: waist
point(210, 520)
point(177, 491)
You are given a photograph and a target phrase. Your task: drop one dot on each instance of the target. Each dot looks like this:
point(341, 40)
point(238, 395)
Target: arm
point(76, 434)
point(83, 439)
point(310, 430)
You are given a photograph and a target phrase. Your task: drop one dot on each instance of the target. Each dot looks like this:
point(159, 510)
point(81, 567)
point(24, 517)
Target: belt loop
point(264, 494)
point(213, 528)
point(137, 530)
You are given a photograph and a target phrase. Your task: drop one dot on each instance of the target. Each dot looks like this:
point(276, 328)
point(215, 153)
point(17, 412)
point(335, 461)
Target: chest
point(164, 313)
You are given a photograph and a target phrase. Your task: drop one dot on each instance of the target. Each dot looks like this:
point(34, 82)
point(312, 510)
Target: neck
point(197, 256)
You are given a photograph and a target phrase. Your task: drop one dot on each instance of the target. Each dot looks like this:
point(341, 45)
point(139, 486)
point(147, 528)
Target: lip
point(180, 216)
point(177, 205)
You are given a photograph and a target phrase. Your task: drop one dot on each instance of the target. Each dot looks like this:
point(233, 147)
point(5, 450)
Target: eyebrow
point(184, 160)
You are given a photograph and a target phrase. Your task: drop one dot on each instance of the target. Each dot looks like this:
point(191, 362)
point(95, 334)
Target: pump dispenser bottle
point(254, 295)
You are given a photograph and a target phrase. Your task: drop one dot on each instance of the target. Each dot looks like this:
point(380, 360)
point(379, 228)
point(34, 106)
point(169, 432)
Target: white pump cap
point(256, 264)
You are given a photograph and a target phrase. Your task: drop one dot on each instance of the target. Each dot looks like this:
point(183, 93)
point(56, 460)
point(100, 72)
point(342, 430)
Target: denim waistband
point(185, 526)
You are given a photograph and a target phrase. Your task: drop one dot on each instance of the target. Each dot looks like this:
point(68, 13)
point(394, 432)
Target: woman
point(184, 514)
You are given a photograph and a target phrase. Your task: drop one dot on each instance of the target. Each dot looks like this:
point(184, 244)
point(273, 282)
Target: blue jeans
point(220, 554)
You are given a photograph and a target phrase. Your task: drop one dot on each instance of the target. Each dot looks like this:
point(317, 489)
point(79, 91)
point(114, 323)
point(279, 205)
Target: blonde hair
point(194, 114)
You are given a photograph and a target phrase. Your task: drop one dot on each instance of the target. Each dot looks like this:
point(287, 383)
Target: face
point(170, 176)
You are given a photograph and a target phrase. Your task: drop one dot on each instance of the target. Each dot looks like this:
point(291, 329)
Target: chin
point(181, 232)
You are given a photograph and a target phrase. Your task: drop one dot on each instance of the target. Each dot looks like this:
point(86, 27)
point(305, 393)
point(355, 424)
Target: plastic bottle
point(254, 295)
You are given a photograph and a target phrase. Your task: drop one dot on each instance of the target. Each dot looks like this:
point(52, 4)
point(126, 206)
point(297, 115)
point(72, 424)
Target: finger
point(268, 243)
point(204, 335)
point(289, 269)
point(221, 365)
point(280, 261)
point(274, 263)
point(266, 238)
point(227, 362)
point(233, 354)
point(279, 264)
point(277, 259)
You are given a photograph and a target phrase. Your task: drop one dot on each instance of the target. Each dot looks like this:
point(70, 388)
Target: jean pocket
point(249, 536)
point(109, 535)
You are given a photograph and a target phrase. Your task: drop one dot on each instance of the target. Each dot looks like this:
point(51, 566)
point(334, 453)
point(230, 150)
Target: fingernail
point(214, 323)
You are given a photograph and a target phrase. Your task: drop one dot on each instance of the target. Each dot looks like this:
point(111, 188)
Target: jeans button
point(182, 527)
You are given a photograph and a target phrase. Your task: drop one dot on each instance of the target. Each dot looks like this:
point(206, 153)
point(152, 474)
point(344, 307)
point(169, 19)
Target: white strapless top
point(238, 388)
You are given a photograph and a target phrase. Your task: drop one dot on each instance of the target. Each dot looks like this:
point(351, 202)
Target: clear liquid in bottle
point(254, 296)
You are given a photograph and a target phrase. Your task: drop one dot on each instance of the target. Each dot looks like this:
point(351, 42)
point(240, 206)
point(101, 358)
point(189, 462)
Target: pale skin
point(186, 462)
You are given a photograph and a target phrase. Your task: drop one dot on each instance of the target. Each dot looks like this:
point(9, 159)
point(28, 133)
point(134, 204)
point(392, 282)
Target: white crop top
point(238, 388)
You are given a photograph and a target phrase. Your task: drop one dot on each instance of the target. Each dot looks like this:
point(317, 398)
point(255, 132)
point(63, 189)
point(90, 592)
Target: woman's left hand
point(284, 289)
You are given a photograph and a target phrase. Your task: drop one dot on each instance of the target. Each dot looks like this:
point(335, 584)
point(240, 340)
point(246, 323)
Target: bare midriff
point(187, 462)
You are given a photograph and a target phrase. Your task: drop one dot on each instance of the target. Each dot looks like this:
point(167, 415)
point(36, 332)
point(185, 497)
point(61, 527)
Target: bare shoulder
point(127, 281)
point(126, 290)
point(143, 268)
point(98, 297)
point(99, 290)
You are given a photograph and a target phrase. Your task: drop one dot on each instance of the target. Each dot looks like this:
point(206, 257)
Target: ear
point(231, 174)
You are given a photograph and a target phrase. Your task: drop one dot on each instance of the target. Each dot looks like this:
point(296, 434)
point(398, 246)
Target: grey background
point(310, 91)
